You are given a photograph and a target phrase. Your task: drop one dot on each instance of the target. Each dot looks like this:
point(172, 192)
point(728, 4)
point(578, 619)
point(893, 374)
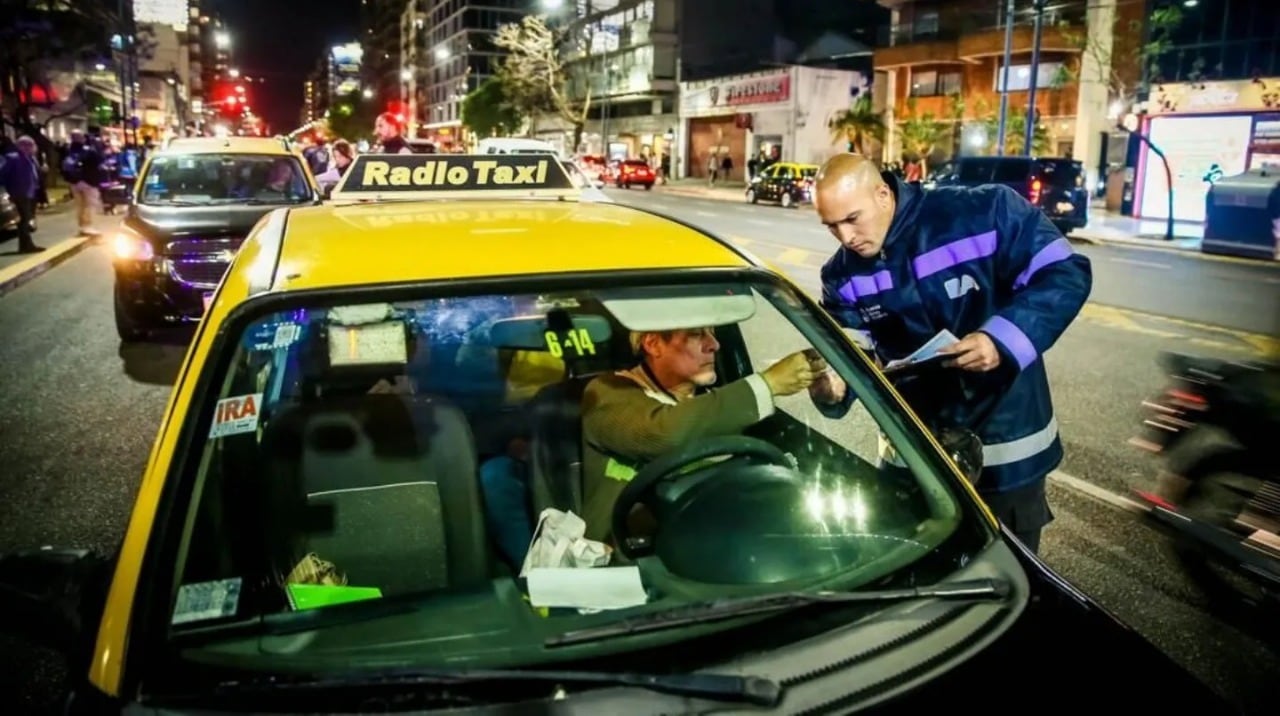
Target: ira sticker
point(203, 601)
point(236, 415)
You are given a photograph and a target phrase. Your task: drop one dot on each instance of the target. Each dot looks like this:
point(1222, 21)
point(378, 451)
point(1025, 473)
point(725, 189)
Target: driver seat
point(555, 444)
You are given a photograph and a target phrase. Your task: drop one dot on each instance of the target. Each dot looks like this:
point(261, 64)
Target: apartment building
point(625, 54)
point(447, 50)
point(934, 52)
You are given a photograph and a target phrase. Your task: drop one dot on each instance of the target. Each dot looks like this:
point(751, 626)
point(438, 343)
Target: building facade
point(448, 51)
point(935, 52)
point(624, 55)
point(784, 113)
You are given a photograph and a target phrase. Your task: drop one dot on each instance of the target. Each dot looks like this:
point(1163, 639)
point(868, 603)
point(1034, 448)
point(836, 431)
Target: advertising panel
point(1193, 145)
point(161, 12)
point(344, 68)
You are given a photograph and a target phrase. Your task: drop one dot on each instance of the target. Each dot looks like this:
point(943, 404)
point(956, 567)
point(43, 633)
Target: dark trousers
point(1024, 510)
point(26, 217)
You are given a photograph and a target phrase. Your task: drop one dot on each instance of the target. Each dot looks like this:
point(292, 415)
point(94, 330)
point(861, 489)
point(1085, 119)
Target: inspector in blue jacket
point(988, 266)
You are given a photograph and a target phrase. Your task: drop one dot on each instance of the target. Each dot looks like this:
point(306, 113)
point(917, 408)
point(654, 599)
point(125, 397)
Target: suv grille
point(200, 272)
point(201, 262)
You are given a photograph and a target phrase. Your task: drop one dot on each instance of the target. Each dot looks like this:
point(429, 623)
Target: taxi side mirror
point(53, 597)
point(965, 448)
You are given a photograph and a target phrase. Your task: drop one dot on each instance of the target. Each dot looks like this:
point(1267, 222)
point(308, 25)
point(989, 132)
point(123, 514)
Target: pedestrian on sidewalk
point(713, 166)
point(984, 264)
point(20, 176)
point(82, 169)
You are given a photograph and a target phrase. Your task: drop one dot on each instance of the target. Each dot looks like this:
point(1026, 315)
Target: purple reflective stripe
point(1057, 251)
point(1012, 338)
point(957, 252)
point(863, 286)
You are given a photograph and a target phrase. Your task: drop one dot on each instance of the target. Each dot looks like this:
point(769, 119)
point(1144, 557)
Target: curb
point(28, 269)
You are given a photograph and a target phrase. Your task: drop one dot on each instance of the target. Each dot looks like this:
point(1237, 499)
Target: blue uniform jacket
point(970, 259)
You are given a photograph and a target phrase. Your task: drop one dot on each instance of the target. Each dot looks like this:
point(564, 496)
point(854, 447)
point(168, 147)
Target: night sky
point(281, 41)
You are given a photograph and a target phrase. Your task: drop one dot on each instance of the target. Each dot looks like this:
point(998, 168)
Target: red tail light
point(1035, 191)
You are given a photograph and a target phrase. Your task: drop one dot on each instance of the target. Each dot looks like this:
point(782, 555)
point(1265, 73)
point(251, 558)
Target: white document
point(929, 350)
point(600, 588)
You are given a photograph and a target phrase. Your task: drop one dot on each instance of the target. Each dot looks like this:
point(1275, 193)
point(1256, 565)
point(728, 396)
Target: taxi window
point(362, 453)
point(183, 180)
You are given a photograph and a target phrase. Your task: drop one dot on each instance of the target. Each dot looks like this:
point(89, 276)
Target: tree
point(351, 116)
point(1101, 63)
point(919, 134)
point(36, 36)
point(488, 112)
point(1015, 130)
point(533, 74)
point(857, 124)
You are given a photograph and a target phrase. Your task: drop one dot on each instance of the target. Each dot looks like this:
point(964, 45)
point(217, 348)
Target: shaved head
point(854, 203)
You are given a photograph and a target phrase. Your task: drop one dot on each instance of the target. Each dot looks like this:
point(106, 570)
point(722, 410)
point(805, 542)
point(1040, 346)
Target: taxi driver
point(634, 416)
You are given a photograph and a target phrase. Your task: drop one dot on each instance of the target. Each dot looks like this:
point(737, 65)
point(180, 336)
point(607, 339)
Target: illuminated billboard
point(344, 68)
point(162, 12)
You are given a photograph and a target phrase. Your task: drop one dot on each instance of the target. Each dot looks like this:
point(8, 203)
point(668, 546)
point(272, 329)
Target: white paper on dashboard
point(929, 350)
point(598, 588)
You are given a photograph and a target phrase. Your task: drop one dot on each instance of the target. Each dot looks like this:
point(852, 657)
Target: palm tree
point(920, 134)
point(856, 124)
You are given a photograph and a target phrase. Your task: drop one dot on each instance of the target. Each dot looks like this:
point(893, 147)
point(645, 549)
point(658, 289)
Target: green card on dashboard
point(314, 596)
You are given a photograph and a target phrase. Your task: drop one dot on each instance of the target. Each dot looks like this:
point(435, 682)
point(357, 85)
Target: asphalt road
point(82, 414)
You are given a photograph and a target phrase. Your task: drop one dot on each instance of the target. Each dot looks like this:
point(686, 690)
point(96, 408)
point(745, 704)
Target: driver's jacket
point(965, 260)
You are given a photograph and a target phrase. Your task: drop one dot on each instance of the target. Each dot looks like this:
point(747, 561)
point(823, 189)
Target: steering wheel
point(670, 465)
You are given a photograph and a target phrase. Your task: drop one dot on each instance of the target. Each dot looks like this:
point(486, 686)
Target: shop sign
point(1216, 97)
point(759, 90)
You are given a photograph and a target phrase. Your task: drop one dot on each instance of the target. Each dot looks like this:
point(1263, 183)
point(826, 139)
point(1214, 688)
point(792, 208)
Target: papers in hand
point(601, 588)
point(928, 351)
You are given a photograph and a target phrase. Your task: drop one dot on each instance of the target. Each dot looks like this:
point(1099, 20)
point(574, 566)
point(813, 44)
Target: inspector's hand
point(789, 375)
point(827, 387)
point(975, 352)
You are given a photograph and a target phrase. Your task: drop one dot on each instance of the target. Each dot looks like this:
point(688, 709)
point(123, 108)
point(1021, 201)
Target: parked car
point(1055, 184)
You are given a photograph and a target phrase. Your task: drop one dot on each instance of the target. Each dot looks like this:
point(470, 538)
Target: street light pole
point(1004, 81)
point(1035, 75)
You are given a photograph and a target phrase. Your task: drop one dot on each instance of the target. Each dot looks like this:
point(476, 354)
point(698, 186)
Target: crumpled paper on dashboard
point(559, 541)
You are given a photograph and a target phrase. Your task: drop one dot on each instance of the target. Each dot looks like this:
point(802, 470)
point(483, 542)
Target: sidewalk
point(723, 191)
point(56, 231)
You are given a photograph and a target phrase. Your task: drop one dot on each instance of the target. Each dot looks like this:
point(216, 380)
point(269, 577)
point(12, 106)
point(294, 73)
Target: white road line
point(1098, 493)
point(1271, 280)
point(706, 213)
point(1138, 262)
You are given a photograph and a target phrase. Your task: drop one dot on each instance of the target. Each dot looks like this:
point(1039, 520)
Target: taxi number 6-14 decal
point(576, 340)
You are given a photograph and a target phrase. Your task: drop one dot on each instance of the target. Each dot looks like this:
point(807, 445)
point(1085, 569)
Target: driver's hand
point(789, 375)
point(827, 387)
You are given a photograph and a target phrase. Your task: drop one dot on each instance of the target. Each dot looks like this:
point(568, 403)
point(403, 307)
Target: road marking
point(1102, 494)
point(1270, 279)
point(1137, 262)
point(794, 257)
point(699, 212)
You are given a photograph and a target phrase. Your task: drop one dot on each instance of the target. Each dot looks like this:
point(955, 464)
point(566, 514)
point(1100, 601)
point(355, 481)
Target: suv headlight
point(131, 247)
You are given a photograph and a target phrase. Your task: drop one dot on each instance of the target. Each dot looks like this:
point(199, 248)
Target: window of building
point(1020, 76)
point(931, 83)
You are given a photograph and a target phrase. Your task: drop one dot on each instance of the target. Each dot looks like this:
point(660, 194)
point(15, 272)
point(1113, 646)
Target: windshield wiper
point(732, 608)
point(718, 687)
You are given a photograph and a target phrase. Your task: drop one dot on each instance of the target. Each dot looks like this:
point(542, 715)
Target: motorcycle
point(1216, 426)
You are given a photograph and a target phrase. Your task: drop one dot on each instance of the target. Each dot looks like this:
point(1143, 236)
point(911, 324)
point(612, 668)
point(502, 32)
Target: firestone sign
point(759, 90)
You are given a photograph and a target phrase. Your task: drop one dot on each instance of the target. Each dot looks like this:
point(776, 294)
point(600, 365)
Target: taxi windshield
point(462, 459)
point(217, 179)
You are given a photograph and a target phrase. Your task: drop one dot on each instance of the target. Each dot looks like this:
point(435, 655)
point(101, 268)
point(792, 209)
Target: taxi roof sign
point(380, 177)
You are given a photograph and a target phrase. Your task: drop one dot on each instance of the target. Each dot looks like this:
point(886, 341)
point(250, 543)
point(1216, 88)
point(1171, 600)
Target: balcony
point(969, 37)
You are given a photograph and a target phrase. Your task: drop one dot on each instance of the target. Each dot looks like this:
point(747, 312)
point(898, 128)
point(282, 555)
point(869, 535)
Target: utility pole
point(1035, 75)
point(1004, 79)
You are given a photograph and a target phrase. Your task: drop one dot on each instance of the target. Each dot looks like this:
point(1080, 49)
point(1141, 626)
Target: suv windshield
point(390, 454)
point(204, 179)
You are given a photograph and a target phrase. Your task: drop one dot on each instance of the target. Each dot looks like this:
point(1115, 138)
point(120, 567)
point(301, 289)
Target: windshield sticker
point(233, 416)
point(203, 601)
point(273, 336)
point(576, 340)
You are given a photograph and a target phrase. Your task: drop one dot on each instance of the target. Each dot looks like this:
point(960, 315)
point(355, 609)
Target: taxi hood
point(159, 224)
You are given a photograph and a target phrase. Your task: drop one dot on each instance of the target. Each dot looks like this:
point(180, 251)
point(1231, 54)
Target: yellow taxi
point(788, 183)
point(376, 486)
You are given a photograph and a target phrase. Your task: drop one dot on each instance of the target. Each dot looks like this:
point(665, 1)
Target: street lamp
point(405, 75)
point(222, 40)
point(552, 5)
point(233, 72)
point(442, 53)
